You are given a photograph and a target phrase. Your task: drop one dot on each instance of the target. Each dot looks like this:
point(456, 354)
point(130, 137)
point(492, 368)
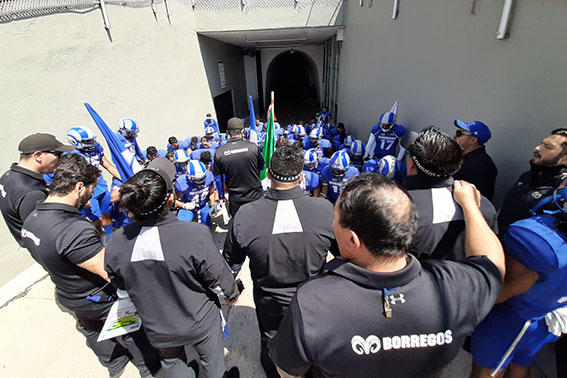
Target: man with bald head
point(398, 317)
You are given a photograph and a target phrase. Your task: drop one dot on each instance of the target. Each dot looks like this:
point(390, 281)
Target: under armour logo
point(400, 298)
point(361, 346)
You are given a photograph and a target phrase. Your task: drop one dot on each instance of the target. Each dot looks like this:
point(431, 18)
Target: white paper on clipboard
point(122, 318)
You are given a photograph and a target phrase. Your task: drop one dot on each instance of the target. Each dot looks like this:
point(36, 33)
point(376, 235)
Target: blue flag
point(125, 162)
point(253, 132)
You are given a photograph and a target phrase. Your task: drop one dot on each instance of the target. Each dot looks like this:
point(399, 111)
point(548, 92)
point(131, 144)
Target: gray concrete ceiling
point(274, 38)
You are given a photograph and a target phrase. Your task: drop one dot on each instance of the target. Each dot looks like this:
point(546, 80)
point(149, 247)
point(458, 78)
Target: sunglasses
point(460, 133)
point(56, 153)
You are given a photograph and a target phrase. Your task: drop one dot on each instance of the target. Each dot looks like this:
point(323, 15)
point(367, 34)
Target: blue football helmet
point(197, 172)
point(128, 127)
point(348, 140)
point(82, 138)
point(209, 131)
point(357, 148)
point(386, 120)
point(339, 163)
point(387, 166)
point(311, 159)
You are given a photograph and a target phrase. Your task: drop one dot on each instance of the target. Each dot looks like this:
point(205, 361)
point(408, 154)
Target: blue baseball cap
point(478, 129)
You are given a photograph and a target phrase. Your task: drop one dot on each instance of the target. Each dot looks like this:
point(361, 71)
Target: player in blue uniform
point(356, 152)
point(100, 209)
point(325, 115)
point(311, 182)
point(384, 137)
point(195, 191)
point(534, 293)
point(127, 132)
point(211, 122)
point(173, 144)
point(181, 159)
point(315, 141)
point(335, 175)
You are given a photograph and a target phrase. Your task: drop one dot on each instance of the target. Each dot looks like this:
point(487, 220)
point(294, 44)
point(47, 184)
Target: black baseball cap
point(42, 142)
point(165, 168)
point(235, 124)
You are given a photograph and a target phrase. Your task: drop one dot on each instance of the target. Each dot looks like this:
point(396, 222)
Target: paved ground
point(39, 339)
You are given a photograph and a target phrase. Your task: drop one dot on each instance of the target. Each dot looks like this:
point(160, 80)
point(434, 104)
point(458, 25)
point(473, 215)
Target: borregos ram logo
point(373, 344)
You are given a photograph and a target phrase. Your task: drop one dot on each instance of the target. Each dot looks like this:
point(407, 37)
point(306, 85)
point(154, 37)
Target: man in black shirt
point(69, 248)
point(548, 169)
point(431, 160)
point(286, 236)
point(22, 186)
point(378, 311)
point(239, 161)
point(478, 168)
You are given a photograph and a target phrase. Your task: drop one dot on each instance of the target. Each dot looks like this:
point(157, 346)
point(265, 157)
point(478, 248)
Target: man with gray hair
point(286, 236)
point(432, 158)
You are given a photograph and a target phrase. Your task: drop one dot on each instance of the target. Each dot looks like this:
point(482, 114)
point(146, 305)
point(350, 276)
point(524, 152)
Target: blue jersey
point(537, 244)
point(336, 183)
point(131, 145)
point(387, 141)
point(311, 181)
point(212, 123)
point(191, 192)
point(325, 116)
point(95, 158)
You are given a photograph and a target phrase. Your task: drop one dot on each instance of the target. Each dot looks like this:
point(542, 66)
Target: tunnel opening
point(293, 77)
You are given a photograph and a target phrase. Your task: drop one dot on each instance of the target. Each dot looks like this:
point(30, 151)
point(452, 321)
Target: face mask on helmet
point(197, 172)
point(310, 159)
point(82, 138)
point(128, 127)
point(339, 163)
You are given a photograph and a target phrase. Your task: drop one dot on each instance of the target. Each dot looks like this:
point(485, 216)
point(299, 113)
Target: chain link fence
point(245, 5)
point(11, 10)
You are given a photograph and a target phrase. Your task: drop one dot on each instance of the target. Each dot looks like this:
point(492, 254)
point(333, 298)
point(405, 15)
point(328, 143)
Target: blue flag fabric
point(124, 159)
point(253, 132)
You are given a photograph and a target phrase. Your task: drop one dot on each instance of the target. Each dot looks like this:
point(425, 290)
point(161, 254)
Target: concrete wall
point(212, 52)
point(442, 62)
point(52, 64)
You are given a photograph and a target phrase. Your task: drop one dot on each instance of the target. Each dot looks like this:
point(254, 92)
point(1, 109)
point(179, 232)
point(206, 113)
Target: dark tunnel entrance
point(293, 77)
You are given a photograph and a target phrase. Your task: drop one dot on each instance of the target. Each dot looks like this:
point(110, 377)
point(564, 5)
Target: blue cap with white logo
point(478, 129)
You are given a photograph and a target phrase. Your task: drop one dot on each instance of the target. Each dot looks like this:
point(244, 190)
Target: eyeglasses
point(460, 133)
point(56, 153)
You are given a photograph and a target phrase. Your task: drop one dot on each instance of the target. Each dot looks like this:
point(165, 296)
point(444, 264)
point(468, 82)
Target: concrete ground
point(39, 339)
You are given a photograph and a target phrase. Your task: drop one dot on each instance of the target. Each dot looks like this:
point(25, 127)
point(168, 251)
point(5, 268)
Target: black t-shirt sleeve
point(232, 252)
point(216, 166)
point(472, 284)
point(28, 202)
point(287, 349)
point(112, 262)
point(81, 243)
point(213, 269)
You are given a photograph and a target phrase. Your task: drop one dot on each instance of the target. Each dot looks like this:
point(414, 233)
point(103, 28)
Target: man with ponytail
point(173, 273)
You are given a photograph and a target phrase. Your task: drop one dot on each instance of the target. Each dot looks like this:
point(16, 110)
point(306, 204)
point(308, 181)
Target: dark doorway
point(292, 76)
point(224, 109)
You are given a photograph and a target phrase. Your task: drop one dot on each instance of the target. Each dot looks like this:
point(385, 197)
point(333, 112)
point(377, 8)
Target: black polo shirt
point(286, 236)
point(20, 190)
point(335, 324)
point(479, 169)
point(173, 272)
point(531, 187)
point(59, 238)
point(441, 223)
point(239, 160)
